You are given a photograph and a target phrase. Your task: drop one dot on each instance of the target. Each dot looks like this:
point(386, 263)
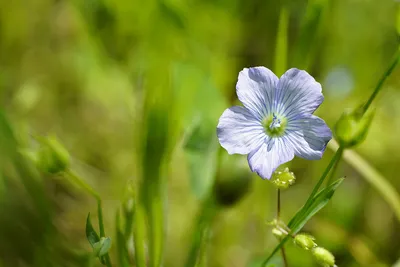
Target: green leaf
point(306, 213)
point(318, 202)
point(102, 247)
point(91, 234)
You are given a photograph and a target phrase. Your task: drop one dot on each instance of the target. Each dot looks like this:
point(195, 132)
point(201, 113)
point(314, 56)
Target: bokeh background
point(92, 71)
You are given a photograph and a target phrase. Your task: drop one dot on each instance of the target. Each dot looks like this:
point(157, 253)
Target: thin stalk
point(82, 184)
point(381, 82)
point(278, 216)
point(324, 174)
point(333, 171)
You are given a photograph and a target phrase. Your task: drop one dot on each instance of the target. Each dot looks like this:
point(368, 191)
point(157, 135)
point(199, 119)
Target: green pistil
point(274, 125)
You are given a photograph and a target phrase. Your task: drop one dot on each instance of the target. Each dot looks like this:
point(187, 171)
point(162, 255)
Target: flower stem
point(335, 158)
point(278, 215)
point(308, 202)
point(381, 81)
point(82, 184)
point(334, 168)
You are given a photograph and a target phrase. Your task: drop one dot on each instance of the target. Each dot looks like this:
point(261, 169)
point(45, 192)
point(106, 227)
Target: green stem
point(207, 212)
point(381, 81)
point(335, 158)
point(82, 184)
point(278, 216)
point(333, 171)
point(308, 202)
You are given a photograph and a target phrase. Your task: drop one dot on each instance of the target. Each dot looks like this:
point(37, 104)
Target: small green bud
point(305, 241)
point(52, 157)
point(101, 248)
point(352, 127)
point(283, 179)
point(323, 257)
point(279, 234)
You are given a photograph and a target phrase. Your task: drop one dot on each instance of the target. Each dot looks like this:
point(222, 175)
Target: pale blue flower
point(276, 122)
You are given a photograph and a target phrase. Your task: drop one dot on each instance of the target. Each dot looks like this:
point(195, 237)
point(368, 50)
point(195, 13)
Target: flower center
point(274, 125)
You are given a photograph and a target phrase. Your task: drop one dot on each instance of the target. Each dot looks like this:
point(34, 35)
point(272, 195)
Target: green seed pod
point(352, 127)
point(323, 257)
point(52, 157)
point(283, 179)
point(101, 248)
point(305, 241)
point(233, 179)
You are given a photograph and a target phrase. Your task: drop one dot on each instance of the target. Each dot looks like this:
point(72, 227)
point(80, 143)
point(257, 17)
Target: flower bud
point(323, 257)
point(352, 127)
point(283, 179)
point(101, 248)
point(305, 241)
point(279, 234)
point(52, 157)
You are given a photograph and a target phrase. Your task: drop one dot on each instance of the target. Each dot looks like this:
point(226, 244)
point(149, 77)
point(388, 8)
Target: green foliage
point(91, 234)
point(122, 84)
point(306, 213)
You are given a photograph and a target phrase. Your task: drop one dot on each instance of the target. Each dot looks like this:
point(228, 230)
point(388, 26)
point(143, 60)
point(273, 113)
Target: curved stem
point(82, 184)
point(381, 81)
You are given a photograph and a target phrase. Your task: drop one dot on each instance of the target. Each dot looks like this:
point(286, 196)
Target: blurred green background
point(92, 71)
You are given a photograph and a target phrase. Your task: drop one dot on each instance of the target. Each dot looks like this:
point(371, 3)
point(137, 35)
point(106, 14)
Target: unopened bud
point(323, 257)
point(352, 127)
point(305, 241)
point(101, 248)
point(283, 179)
point(52, 157)
point(279, 234)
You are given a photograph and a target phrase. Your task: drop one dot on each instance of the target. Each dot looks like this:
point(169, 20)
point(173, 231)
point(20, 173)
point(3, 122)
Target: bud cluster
point(323, 256)
point(304, 241)
point(283, 179)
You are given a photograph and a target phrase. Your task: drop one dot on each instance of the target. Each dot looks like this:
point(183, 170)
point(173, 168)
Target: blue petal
point(297, 94)
point(309, 137)
point(255, 89)
point(264, 161)
point(239, 132)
